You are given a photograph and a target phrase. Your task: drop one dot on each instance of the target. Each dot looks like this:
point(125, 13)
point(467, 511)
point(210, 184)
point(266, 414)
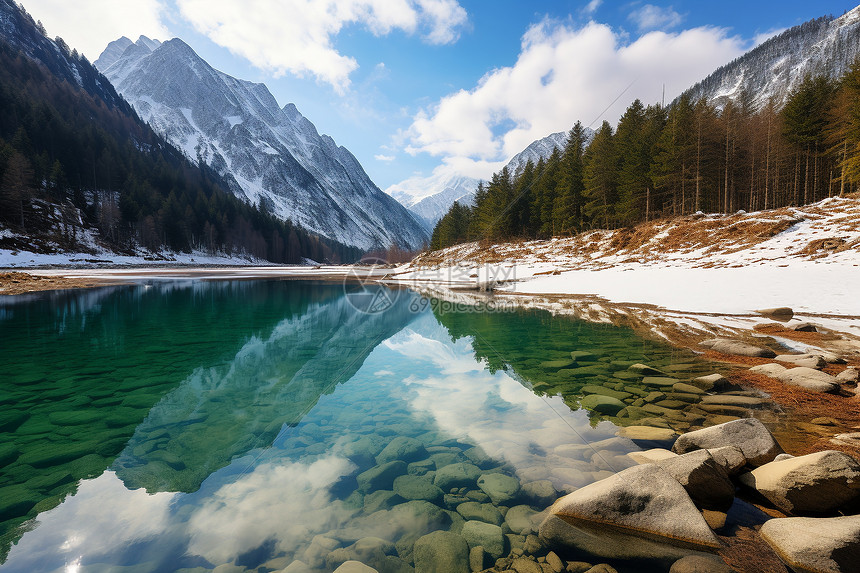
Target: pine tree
point(567, 211)
point(601, 170)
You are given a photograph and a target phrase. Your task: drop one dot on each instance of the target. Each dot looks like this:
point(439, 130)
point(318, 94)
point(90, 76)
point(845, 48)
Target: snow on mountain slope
point(542, 148)
point(431, 197)
point(770, 71)
point(270, 156)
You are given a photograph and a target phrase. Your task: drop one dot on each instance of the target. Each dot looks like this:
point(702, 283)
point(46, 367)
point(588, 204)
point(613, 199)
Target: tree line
point(97, 162)
point(667, 161)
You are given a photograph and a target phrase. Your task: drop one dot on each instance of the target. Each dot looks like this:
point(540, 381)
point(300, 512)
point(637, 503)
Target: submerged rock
point(646, 370)
point(814, 483)
point(402, 448)
point(380, 477)
point(459, 474)
point(417, 487)
point(602, 404)
point(499, 487)
point(486, 535)
point(749, 435)
point(441, 552)
point(711, 382)
point(815, 545)
point(639, 513)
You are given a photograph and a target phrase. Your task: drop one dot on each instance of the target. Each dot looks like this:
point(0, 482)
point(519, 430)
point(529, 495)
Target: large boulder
point(730, 457)
point(815, 545)
point(441, 552)
point(801, 376)
point(814, 483)
point(749, 435)
point(639, 513)
point(807, 360)
point(705, 480)
point(738, 348)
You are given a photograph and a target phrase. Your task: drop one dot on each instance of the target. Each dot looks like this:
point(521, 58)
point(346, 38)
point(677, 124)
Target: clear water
point(190, 425)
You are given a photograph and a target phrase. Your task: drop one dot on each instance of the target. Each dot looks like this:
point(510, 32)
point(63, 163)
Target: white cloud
point(650, 17)
point(88, 28)
point(385, 158)
point(297, 36)
point(592, 7)
point(562, 75)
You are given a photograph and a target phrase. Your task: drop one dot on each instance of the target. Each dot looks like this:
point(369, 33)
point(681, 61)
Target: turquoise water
point(188, 425)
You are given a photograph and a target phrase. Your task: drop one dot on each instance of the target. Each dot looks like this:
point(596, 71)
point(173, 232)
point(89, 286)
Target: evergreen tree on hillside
point(567, 212)
point(601, 175)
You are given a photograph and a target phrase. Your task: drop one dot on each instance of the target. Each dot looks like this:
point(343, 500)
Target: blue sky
point(413, 86)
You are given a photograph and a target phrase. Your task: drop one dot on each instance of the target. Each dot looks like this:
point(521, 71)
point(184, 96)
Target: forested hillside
point(72, 158)
point(688, 157)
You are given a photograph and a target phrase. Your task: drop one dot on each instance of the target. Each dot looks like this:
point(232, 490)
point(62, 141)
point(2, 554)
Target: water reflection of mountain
point(80, 370)
point(221, 412)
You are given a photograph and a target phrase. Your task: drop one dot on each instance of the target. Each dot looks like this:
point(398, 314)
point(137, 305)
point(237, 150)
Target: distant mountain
point(270, 156)
point(431, 197)
point(770, 71)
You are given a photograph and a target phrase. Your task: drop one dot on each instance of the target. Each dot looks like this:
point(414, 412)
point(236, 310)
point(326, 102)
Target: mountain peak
point(270, 156)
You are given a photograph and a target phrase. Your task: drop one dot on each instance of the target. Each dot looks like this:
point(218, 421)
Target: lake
point(185, 425)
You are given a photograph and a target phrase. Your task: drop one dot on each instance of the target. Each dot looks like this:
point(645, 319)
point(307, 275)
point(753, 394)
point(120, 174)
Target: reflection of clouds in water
point(102, 516)
point(495, 411)
point(289, 502)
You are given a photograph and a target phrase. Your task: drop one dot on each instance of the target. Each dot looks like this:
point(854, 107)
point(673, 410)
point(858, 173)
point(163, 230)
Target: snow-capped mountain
point(431, 197)
point(272, 156)
point(541, 148)
point(825, 45)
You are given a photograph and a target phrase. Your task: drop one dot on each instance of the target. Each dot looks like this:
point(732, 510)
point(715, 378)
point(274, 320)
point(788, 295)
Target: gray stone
point(687, 388)
point(814, 483)
point(803, 377)
point(731, 458)
point(639, 513)
point(479, 457)
point(441, 552)
point(737, 348)
point(520, 519)
point(602, 404)
point(705, 480)
point(380, 477)
point(807, 360)
point(540, 492)
point(417, 487)
point(486, 512)
point(804, 327)
point(740, 401)
point(457, 475)
point(782, 457)
point(815, 545)
point(749, 435)
point(651, 456)
point(700, 564)
point(499, 487)
point(402, 448)
point(421, 467)
point(489, 536)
